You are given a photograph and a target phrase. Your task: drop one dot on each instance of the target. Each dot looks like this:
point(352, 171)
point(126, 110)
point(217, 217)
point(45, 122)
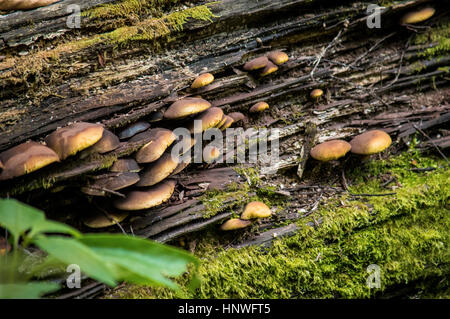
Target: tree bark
point(370, 77)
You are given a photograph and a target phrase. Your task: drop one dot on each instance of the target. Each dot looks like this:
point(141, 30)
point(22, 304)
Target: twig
point(104, 212)
point(431, 141)
point(364, 194)
point(371, 49)
point(322, 53)
point(344, 181)
point(107, 190)
point(399, 65)
point(388, 182)
point(423, 169)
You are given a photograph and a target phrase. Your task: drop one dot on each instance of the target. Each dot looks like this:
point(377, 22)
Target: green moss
point(147, 31)
point(124, 9)
point(406, 235)
point(216, 201)
point(439, 34)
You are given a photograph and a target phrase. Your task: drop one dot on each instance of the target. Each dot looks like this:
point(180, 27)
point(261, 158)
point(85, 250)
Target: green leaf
point(19, 218)
point(31, 290)
point(142, 257)
point(71, 251)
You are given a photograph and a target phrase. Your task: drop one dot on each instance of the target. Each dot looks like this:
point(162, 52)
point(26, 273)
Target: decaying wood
point(370, 78)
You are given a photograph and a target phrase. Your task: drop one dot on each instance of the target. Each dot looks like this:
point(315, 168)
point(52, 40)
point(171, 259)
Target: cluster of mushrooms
point(252, 211)
point(151, 185)
point(365, 144)
point(266, 64)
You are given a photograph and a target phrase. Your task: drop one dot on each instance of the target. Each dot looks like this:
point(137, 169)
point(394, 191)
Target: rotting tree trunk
point(51, 75)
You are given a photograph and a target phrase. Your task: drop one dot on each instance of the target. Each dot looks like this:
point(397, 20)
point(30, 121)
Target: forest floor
point(404, 231)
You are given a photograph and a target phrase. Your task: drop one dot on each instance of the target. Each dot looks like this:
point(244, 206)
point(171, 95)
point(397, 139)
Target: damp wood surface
point(392, 78)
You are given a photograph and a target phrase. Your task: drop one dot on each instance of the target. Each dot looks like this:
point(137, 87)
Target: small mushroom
point(418, 16)
point(8, 5)
point(1, 165)
point(107, 143)
point(112, 182)
point(202, 80)
point(211, 153)
point(259, 107)
point(102, 220)
point(255, 64)
point(158, 140)
point(370, 142)
point(182, 165)
point(156, 116)
point(316, 94)
point(5, 247)
point(270, 68)
point(73, 138)
point(158, 170)
point(147, 198)
point(256, 210)
point(235, 223)
point(237, 116)
point(209, 119)
point(25, 158)
point(228, 121)
point(133, 129)
point(278, 57)
point(125, 165)
point(185, 107)
point(222, 122)
point(330, 150)
point(184, 145)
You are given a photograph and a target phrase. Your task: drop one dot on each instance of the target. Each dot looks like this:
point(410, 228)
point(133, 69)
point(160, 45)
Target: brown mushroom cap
point(107, 143)
point(330, 150)
point(222, 122)
point(185, 107)
point(237, 116)
point(316, 93)
point(270, 68)
point(156, 116)
point(235, 223)
point(1, 165)
point(184, 162)
point(210, 118)
point(257, 63)
point(111, 181)
point(100, 220)
point(24, 4)
point(73, 138)
point(26, 158)
point(278, 57)
point(202, 80)
point(418, 16)
point(133, 129)
point(370, 142)
point(125, 165)
point(158, 170)
point(256, 210)
point(211, 153)
point(228, 121)
point(184, 145)
point(147, 198)
point(259, 107)
point(158, 140)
